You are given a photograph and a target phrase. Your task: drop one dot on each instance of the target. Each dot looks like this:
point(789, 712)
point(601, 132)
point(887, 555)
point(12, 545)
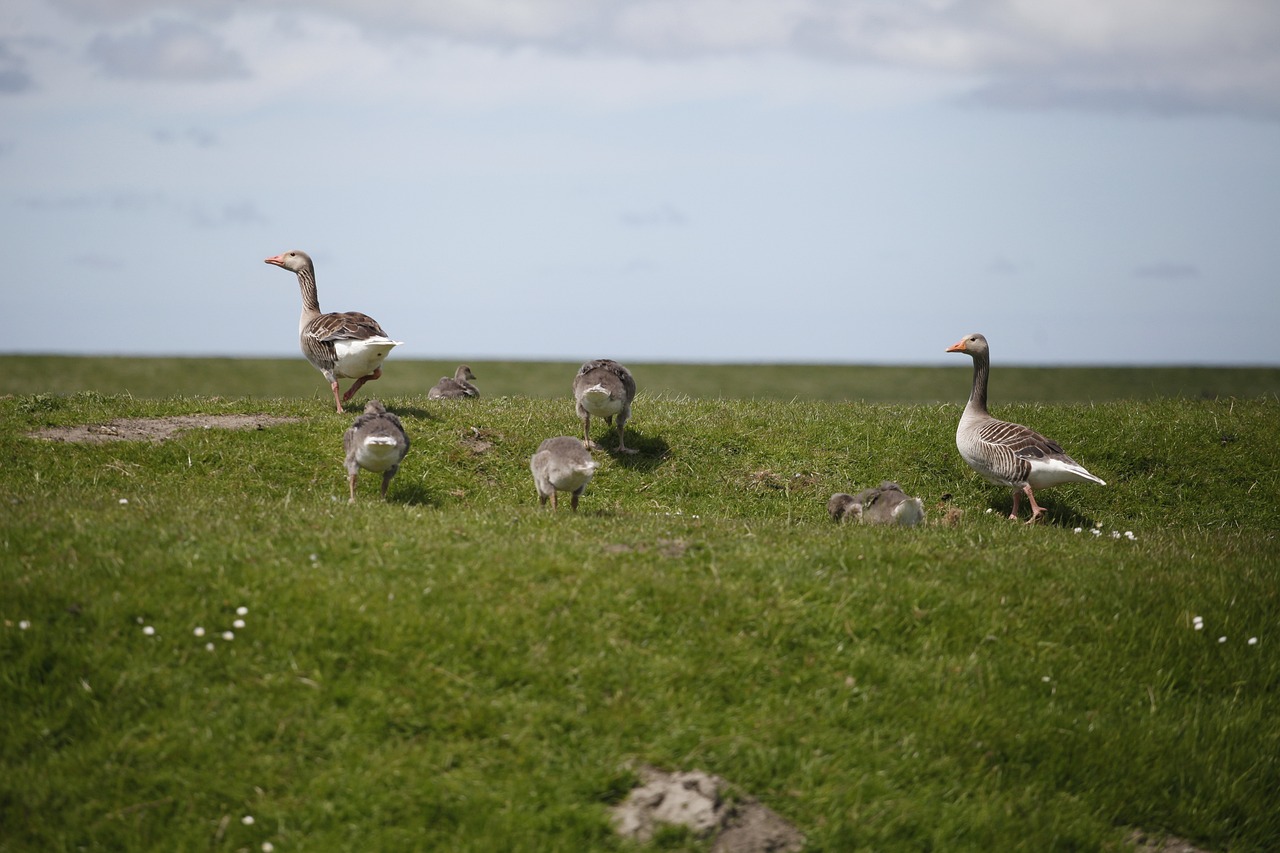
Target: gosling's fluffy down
point(885, 504)
point(562, 464)
point(457, 387)
point(375, 442)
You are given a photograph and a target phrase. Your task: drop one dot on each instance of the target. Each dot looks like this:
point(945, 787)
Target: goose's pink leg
point(1037, 511)
point(336, 399)
point(356, 385)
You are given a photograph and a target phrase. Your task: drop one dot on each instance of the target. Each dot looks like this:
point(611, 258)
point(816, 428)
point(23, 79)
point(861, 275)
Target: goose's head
point(974, 345)
point(293, 261)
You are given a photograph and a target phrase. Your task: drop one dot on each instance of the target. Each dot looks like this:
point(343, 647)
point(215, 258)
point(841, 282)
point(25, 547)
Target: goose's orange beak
point(278, 260)
point(956, 347)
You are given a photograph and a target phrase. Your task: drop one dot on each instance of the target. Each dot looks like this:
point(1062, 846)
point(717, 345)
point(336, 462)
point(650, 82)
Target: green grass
point(293, 377)
point(456, 669)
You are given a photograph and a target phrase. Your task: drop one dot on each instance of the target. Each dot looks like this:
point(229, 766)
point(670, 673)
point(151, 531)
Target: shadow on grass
point(415, 412)
point(412, 494)
point(652, 450)
point(1056, 513)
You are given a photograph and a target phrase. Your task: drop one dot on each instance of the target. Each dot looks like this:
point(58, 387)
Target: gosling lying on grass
point(885, 504)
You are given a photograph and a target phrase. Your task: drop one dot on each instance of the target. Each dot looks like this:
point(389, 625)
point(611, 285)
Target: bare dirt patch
point(155, 430)
point(696, 800)
point(479, 441)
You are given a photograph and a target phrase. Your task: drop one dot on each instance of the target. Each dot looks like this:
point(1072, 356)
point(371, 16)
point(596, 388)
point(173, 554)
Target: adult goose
point(605, 389)
point(375, 442)
point(456, 387)
point(884, 504)
point(1009, 454)
point(561, 464)
point(349, 345)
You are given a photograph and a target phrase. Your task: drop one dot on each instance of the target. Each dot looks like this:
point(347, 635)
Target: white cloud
point(1139, 55)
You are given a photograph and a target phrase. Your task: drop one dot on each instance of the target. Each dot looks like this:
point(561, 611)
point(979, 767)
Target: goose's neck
point(978, 396)
point(310, 299)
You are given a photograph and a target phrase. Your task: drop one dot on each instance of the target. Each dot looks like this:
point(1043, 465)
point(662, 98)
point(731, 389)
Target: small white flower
point(148, 630)
point(24, 624)
point(1222, 639)
point(247, 820)
point(267, 847)
point(242, 611)
point(1078, 530)
point(1045, 679)
point(1096, 531)
point(199, 632)
point(988, 510)
point(1115, 534)
point(124, 501)
point(1253, 641)
point(315, 557)
point(1199, 626)
point(1128, 534)
point(208, 646)
point(239, 623)
point(228, 635)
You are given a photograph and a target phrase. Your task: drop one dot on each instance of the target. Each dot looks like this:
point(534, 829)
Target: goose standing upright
point(349, 345)
point(455, 388)
point(562, 464)
point(604, 388)
point(376, 442)
point(1009, 454)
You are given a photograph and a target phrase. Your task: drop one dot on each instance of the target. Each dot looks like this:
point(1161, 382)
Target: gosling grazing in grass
point(1009, 454)
point(457, 387)
point(561, 464)
point(605, 389)
point(375, 442)
point(884, 504)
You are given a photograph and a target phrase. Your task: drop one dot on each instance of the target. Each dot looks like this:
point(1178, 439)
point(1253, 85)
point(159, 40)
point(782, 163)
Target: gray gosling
point(561, 464)
point(375, 442)
point(605, 389)
point(457, 387)
point(885, 504)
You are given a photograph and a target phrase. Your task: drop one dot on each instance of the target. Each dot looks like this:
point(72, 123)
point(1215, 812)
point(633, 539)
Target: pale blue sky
point(1083, 181)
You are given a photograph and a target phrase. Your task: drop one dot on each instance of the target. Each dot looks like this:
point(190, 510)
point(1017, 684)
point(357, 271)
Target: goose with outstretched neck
point(347, 345)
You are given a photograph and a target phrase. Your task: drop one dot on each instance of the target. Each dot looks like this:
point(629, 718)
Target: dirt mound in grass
point(694, 800)
point(155, 429)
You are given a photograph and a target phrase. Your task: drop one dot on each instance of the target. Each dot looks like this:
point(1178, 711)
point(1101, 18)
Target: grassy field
point(456, 669)
point(293, 377)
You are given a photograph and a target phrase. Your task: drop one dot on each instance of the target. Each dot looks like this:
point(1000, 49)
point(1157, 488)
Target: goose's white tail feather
point(358, 358)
